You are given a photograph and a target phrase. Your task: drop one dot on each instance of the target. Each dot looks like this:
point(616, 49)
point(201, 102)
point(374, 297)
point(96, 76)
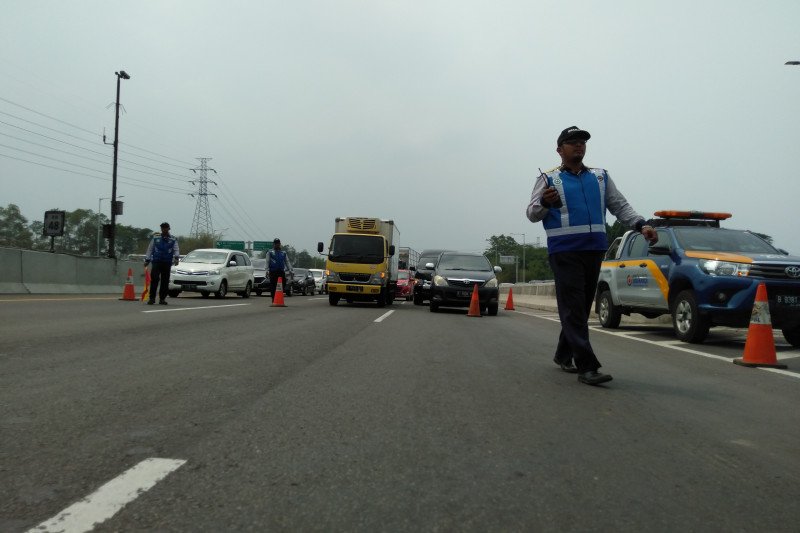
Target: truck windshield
point(366, 249)
point(721, 240)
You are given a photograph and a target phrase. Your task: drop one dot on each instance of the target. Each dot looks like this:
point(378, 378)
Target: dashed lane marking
point(106, 501)
point(383, 316)
point(193, 308)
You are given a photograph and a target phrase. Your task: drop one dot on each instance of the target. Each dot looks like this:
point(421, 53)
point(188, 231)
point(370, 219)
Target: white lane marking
point(193, 308)
point(317, 298)
point(669, 344)
point(106, 501)
point(384, 315)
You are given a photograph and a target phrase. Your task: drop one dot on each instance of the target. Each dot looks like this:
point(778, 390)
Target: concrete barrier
point(35, 272)
point(542, 297)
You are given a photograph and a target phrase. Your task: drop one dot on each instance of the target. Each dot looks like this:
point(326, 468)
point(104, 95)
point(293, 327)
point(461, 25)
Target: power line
point(90, 176)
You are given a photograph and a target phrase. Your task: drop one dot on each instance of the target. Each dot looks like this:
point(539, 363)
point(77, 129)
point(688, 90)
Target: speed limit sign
point(54, 223)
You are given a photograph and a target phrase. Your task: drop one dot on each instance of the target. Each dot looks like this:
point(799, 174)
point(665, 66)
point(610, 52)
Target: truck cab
point(361, 262)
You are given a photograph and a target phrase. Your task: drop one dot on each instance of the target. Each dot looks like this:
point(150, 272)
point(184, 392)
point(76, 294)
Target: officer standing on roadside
point(571, 201)
point(276, 264)
point(163, 253)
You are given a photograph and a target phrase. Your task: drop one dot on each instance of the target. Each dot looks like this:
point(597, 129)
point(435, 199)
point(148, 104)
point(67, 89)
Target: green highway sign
point(231, 245)
point(262, 246)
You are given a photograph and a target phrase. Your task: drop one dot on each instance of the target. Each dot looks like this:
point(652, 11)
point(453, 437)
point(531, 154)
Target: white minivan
point(213, 270)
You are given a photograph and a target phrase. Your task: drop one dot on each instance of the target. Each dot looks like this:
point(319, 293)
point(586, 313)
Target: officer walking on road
point(163, 253)
point(276, 264)
point(571, 201)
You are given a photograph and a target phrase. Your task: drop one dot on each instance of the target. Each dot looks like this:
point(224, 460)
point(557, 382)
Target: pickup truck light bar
point(695, 215)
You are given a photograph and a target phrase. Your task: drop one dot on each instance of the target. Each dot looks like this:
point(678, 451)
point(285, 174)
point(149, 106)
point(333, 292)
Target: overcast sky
point(435, 114)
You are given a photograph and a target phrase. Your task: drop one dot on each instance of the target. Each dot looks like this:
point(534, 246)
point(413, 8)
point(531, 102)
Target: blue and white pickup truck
point(701, 274)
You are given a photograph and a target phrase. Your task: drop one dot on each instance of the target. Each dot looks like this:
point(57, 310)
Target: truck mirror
point(391, 250)
point(320, 247)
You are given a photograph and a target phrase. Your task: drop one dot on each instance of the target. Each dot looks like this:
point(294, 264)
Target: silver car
point(213, 270)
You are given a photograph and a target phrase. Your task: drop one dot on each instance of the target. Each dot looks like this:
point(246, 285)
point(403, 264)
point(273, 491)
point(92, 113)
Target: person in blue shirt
point(277, 264)
point(162, 252)
point(571, 202)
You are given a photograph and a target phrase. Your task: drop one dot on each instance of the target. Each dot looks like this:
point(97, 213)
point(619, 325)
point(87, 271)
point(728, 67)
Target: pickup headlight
point(439, 281)
point(491, 283)
point(713, 267)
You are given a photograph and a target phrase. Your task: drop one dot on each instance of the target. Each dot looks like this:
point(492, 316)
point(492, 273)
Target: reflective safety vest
point(276, 260)
point(163, 249)
point(580, 223)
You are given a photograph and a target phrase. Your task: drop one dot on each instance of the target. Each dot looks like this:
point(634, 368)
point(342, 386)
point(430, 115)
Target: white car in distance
point(213, 270)
point(319, 280)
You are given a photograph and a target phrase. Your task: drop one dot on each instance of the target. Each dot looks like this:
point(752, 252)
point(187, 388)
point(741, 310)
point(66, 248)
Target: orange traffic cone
point(128, 293)
point(759, 349)
point(278, 301)
point(474, 304)
point(510, 302)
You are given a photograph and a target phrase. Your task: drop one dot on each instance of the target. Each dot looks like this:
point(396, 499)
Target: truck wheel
point(792, 336)
point(609, 313)
point(382, 298)
point(688, 323)
point(223, 290)
point(333, 299)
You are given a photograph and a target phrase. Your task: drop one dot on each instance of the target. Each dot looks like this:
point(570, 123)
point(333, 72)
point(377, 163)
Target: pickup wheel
point(333, 299)
point(792, 336)
point(418, 299)
point(688, 323)
point(609, 314)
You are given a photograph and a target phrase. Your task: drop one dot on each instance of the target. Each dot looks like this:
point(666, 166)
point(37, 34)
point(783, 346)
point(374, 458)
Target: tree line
point(81, 237)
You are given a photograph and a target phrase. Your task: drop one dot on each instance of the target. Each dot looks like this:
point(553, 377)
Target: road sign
point(262, 246)
point(231, 245)
point(508, 259)
point(54, 223)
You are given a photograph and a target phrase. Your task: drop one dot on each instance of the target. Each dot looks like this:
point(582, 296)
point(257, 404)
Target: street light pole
point(121, 75)
point(523, 255)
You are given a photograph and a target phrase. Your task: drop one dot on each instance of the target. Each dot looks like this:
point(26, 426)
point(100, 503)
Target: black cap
point(165, 225)
point(276, 241)
point(573, 132)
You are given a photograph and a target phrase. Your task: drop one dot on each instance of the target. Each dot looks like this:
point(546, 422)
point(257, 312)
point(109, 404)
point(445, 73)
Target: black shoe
point(593, 377)
point(151, 302)
point(566, 367)
point(162, 302)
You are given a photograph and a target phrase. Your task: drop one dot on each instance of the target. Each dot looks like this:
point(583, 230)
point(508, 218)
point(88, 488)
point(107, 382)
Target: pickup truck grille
point(771, 271)
point(359, 278)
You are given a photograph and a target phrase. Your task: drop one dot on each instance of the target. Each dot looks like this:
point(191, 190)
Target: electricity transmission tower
point(201, 224)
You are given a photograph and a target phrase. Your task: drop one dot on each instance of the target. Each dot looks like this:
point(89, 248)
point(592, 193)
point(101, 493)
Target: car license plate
point(787, 301)
point(464, 294)
point(189, 286)
point(354, 288)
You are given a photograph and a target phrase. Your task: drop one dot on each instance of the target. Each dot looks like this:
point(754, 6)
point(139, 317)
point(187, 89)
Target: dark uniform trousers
point(273, 281)
point(159, 272)
point(576, 282)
